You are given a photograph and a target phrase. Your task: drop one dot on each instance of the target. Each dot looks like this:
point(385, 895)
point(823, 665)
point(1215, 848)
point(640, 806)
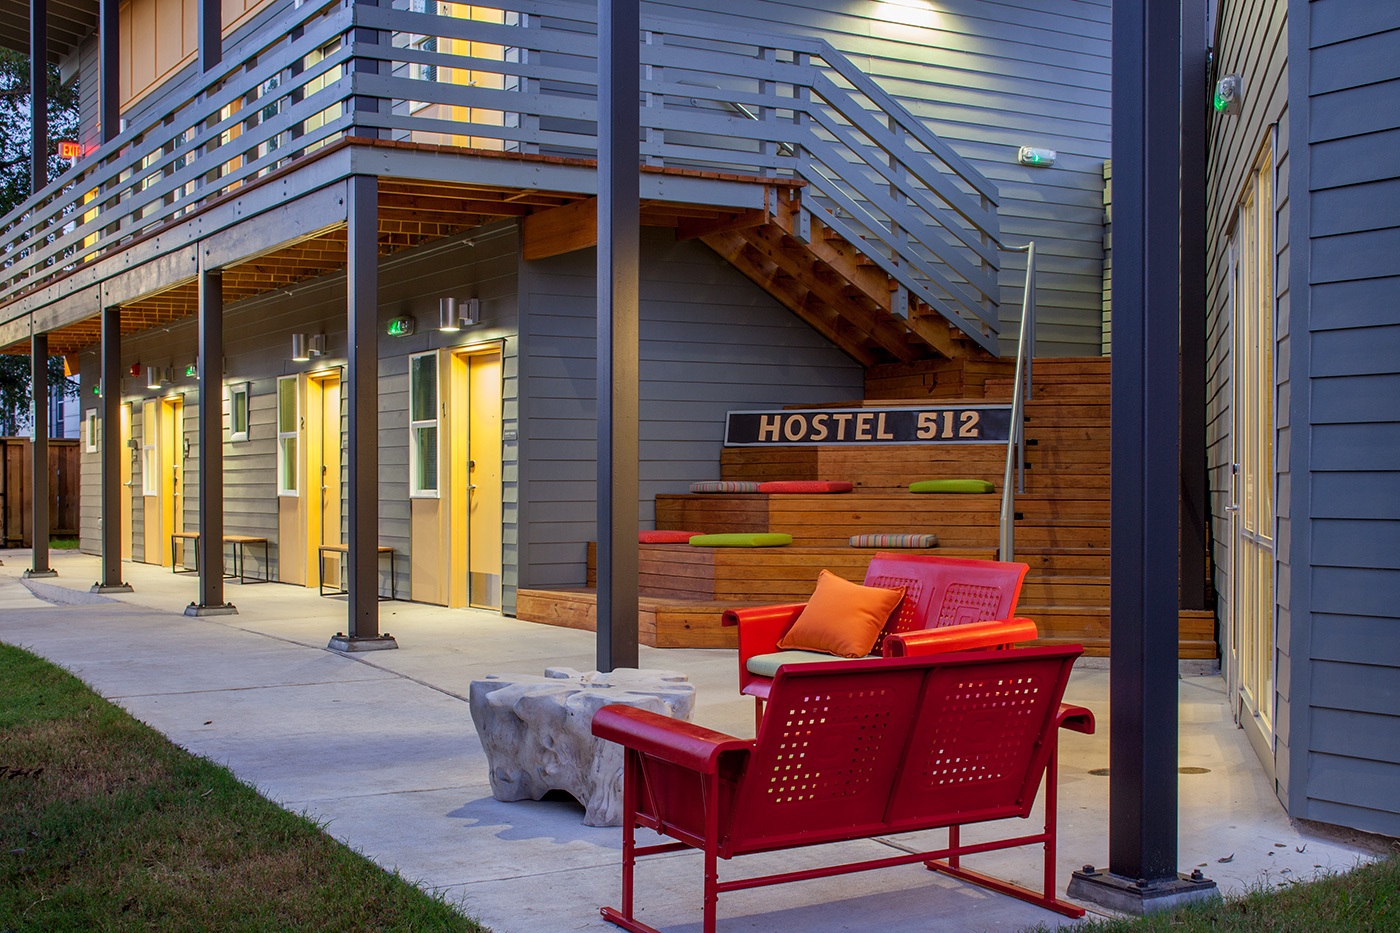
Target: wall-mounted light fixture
point(456, 314)
point(153, 377)
point(304, 347)
point(1037, 158)
point(1229, 94)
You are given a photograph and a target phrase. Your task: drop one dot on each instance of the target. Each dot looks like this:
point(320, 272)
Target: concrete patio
point(381, 747)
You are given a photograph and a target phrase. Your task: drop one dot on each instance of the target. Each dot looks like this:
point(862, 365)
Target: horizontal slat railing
point(522, 78)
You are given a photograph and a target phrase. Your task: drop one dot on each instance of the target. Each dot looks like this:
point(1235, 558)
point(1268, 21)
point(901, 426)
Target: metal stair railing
point(1013, 478)
point(525, 81)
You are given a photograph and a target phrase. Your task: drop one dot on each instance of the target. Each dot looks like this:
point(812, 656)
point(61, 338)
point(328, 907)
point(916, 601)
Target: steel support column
point(109, 77)
point(112, 451)
point(1142, 849)
point(39, 93)
point(1195, 490)
point(210, 27)
point(42, 520)
point(619, 242)
point(211, 448)
point(362, 301)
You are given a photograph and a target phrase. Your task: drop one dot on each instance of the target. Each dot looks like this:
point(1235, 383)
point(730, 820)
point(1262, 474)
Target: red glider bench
point(949, 604)
point(850, 750)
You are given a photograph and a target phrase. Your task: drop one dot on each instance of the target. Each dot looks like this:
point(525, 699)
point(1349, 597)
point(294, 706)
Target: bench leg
point(1045, 898)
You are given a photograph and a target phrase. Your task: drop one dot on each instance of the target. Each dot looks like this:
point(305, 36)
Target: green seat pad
point(766, 665)
point(736, 539)
point(951, 485)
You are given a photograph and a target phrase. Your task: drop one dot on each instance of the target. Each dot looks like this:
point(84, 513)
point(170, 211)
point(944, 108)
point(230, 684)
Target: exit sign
point(70, 150)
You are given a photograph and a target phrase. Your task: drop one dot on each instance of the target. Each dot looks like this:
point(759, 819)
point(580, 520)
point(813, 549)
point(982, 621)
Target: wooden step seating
point(960, 521)
point(1062, 529)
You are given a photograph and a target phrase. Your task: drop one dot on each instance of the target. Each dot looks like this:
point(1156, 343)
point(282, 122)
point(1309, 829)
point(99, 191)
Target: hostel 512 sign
point(961, 424)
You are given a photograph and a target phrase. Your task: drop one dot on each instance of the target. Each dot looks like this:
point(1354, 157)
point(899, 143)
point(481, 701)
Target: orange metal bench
point(850, 750)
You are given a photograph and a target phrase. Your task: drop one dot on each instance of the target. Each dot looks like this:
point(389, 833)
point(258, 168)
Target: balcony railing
point(521, 78)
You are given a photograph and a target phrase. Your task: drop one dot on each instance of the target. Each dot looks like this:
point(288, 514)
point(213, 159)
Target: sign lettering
point(959, 424)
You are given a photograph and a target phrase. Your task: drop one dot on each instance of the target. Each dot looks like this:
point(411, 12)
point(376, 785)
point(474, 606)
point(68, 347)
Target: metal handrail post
point(1015, 458)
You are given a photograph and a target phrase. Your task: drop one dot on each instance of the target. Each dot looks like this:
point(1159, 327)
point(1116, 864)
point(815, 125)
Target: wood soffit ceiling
point(411, 213)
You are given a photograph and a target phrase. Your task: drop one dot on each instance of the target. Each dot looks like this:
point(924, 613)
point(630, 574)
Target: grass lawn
point(1365, 900)
point(63, 543)
point(105, 825)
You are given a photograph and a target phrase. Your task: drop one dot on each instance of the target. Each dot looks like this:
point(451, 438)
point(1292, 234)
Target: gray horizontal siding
point(1351, 725)
point(989, 78)
point(257, 335)
point(711, 341)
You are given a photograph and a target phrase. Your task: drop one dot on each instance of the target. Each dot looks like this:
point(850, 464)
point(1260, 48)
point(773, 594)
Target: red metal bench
point(850, 750)
point(939, 592)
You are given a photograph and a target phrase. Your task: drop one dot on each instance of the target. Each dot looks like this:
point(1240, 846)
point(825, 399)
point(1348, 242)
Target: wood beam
point(694, 229)
point(560, 230)
point(733, 247)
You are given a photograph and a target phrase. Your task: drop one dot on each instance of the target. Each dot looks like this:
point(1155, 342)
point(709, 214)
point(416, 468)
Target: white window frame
point(90, 430)
point(150, 448)
point(238, 397)
point(283, 436)
point(415, 489)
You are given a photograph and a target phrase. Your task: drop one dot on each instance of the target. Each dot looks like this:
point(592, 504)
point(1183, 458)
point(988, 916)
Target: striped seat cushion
point(724, 486)
point(892, 540)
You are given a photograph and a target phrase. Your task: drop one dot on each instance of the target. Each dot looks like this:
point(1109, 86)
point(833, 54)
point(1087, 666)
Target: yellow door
point(124, 458)
point(154, 544)
point(324, 481)
point(484, 482)
point(172, 417)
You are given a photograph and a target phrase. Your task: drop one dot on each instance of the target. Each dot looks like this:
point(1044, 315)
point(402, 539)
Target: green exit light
point(192, 370)
point(401, 326)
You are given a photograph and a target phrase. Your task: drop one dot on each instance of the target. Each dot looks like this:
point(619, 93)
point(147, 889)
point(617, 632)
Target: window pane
point(287, 467)
point(286, 405)
point(423, 388)
point(426, 457)
point(240, 412)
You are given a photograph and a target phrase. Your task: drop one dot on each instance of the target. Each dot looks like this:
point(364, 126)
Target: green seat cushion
point(766, 665)
point(951, 485)
point(758, 539)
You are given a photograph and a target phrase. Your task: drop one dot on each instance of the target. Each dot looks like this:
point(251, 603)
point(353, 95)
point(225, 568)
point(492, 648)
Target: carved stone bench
point(537, 732)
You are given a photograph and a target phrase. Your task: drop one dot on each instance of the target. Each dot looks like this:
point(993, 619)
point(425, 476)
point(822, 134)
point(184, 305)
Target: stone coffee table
point(537, 731)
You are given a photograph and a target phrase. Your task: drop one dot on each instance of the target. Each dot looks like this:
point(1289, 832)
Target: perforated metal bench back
point(851, 752)
point(943, 591)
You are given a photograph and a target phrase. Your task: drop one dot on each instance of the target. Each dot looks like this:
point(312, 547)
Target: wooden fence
point(17, 485)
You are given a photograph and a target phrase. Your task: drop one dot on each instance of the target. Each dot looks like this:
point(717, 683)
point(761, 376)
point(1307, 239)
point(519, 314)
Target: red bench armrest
point(1075, 719)
point(681, 743)
point(760, 627)
point(991, 634)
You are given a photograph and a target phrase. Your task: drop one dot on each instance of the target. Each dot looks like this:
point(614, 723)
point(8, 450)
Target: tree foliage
point(15, 183)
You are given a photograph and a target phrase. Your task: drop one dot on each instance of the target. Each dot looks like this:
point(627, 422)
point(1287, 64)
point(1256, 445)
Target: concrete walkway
point(381, 746)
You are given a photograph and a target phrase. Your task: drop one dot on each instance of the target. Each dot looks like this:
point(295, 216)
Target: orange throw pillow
point(842, 618)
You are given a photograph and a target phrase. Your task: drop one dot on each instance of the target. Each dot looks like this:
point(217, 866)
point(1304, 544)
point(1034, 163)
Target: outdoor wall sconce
point(456, 313)
point(1229, 94)
point(304, 347)
point(153, 377)
point(1037, 158)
